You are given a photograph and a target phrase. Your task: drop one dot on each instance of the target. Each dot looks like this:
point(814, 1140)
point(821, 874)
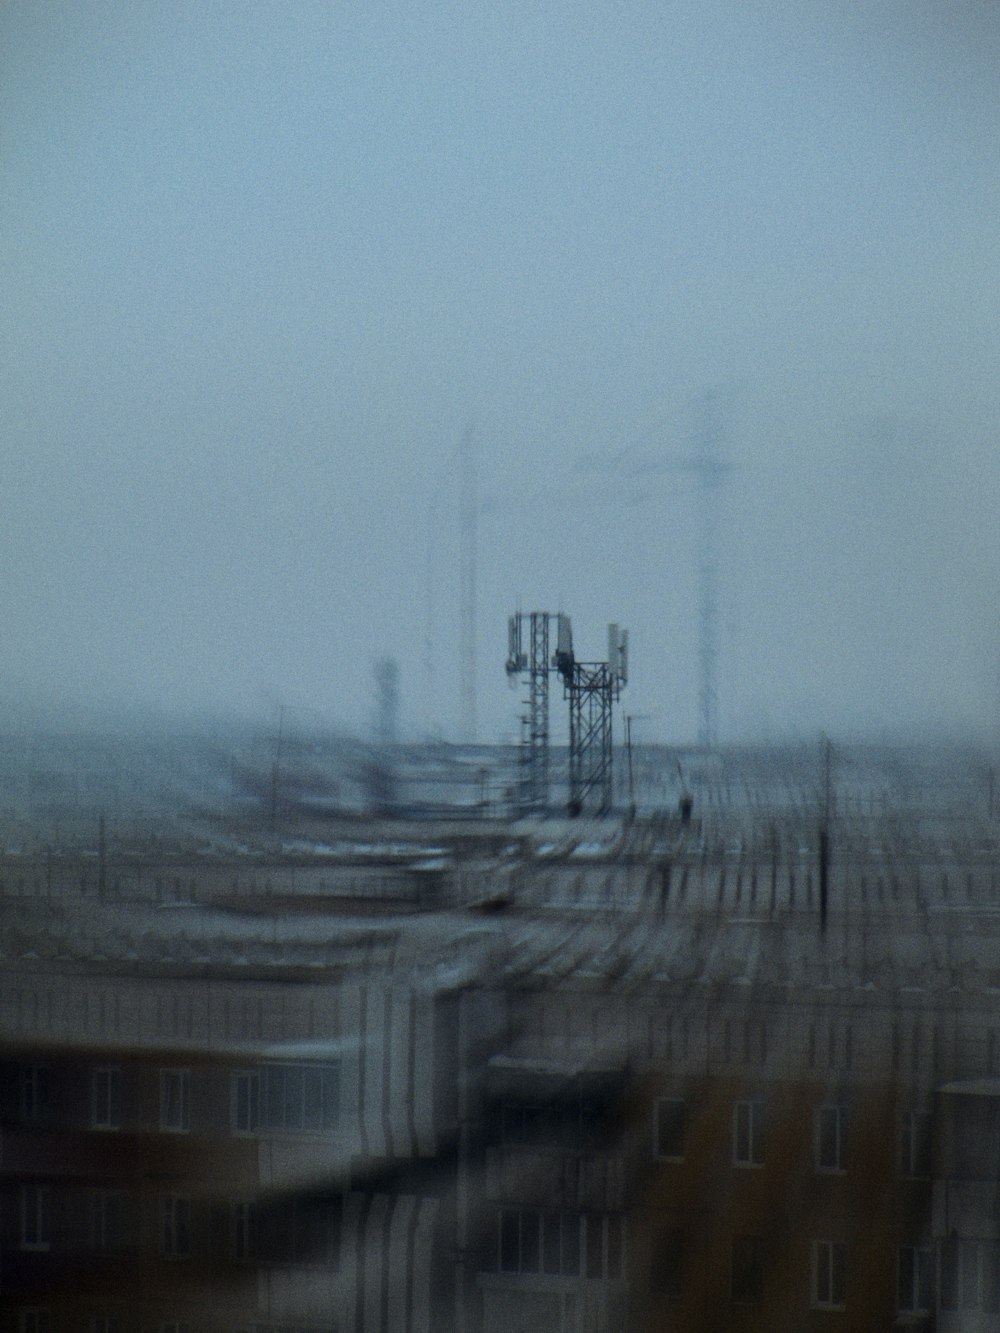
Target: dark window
point(829, 1273)
point(175, 1226)
point(244, 1231)
point(510, 1242)
point(749, 1133)
point(33, 1321)
point(34, 1094)
point(667, 1275)
point(671, 1128)
point(528, 1125)
point(175, 1100)
point(105, 1098)
point(831, 1133)
point(300, 1097)
point(300, 1231)
point(531, 1227)
point(915, 1144)
point(748, 1269)
point(613, 1227)
point(595, 1247)
point(106, 1221)
point(534, 1241)
point(246, 1101)
point(916, 1272)
point(991, 1277)
point(35, 1212)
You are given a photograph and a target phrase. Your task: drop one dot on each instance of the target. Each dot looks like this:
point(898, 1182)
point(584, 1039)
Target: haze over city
point(266, 266)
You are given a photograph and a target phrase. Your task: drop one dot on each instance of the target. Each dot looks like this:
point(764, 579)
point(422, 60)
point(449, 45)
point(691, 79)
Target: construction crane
point(709, 469)
point(469, 546)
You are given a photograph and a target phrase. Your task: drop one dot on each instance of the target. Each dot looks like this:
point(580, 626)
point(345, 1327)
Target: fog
point(265, 267)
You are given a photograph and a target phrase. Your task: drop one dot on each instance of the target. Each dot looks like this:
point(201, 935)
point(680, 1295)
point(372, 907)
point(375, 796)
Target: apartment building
point(553, 1076)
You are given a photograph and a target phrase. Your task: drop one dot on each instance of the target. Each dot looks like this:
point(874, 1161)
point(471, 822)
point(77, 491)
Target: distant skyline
point(264, 264)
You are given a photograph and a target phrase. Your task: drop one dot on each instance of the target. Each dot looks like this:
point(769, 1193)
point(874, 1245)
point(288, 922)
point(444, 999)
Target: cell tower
point(533, 662)
point(591, 689)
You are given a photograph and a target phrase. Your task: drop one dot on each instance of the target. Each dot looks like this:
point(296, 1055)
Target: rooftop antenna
point(467, 584)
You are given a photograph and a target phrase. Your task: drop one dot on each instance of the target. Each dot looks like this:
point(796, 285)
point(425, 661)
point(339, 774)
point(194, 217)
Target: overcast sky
point(263, 264)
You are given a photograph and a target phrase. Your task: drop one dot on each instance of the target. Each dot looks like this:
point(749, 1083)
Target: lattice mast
point(591, 689)
point(528, 656)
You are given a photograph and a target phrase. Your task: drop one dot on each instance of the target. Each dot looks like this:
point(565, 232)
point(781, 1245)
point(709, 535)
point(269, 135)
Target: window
point(246, 1101)
point(300, 1231)
point(106, 1221)
point(34, 1093)
point(35, 1209)
point(747, 1270)
point(831, 1133)
point(562, 1244)
point(667, 1270)
point(528, 1125)
point(286, 1098)
point(970, 1275)
point(530, 1245)
point(749, 1133)
point(670, 1135)
point(915, 1145)
point(105, 1098)
point(175, 1226)
point(521, 1241)
point(280, 1328)
point(244, 1231)
point(916, 1280)
point(604, 1245)
point(33, 1320)
point(175, 1100)
point(300, 1097)
point(829, 1262)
